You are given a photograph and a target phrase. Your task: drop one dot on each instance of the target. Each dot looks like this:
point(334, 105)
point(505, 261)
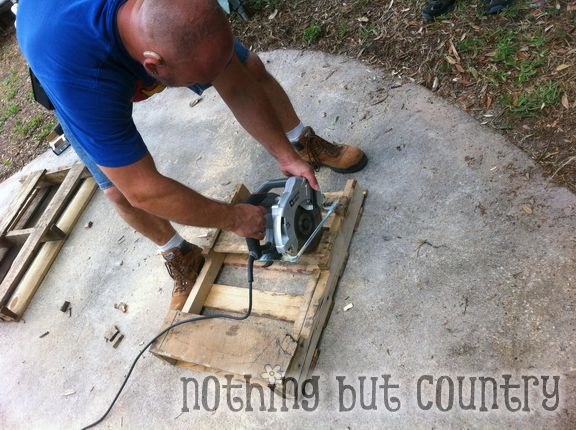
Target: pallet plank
point(14, 209)
point(321, 303)
point(236, 347)
point(303, 266)
point(212, 266)
point(30, 208)
point(33, 241)
point(284, 307)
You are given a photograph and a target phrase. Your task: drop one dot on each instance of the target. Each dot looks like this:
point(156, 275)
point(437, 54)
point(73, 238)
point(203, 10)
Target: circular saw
point(293, 219)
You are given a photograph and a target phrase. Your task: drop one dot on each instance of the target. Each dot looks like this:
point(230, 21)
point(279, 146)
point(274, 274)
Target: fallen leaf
point(565, 101)
point(473, 71)
point(454, 51)
point(527, 209)
point(273, 14)
point(562, 67)
point(487, 101)
point(459, 68)
point(195, 102)
point(450, 59)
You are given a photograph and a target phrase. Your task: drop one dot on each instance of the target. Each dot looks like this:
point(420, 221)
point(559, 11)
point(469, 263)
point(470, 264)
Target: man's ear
point(151, 62)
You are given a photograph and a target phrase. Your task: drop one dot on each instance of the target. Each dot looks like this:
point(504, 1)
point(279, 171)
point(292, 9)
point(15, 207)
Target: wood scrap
point(119, 339)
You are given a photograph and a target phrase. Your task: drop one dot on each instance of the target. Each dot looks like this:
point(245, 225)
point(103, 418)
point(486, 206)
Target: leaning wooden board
point(285, 327)
point(33, 230)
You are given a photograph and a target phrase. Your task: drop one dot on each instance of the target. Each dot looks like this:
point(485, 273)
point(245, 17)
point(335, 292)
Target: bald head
point(180, 27)
point(179, 42)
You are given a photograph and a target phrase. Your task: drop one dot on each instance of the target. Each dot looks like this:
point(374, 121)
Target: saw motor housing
point(291, 218)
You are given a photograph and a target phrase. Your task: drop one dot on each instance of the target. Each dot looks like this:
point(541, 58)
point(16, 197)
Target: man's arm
point(145, 188)
point(253, 110)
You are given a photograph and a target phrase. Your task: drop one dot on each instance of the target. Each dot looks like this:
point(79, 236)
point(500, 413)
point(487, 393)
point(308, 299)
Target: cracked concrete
point(448, 274)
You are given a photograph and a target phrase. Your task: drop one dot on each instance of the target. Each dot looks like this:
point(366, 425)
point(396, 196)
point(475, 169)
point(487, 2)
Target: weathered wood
point(13, 210)
point(20, 236)
point(321, 302)
point(306, 303)
point(33, 241)
point(229, 243)
point(235, 347)
point(30, 208)
point(239, 260)
point(8, 257)
point(284, 307)
point(32, 279)
point(212, 266)
point(206, 346)
point(204, 282)
point(309, 323)
point(55, 176)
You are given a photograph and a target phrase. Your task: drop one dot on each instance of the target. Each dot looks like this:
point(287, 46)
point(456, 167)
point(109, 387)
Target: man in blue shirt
point(94, 58)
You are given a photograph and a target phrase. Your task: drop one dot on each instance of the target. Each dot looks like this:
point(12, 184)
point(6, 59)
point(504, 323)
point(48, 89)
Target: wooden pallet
point(33, 230)
point(291, 303)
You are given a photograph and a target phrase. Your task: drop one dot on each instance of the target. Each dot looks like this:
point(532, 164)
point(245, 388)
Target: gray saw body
point(293, 219)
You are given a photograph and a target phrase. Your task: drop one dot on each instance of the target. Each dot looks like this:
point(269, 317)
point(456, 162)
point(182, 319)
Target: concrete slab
point(448, 275)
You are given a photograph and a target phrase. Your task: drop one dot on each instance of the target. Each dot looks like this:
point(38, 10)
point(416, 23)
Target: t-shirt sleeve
point(102, 124)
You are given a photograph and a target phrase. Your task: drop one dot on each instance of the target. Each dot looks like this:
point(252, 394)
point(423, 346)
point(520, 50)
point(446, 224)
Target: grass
point(506, 49)
point(342, 31)
point(312, 33)
point(470, 45)
point(528, 69)
point(530, 102)
point(11, 79)
point(11, 93)
point(366, 31)
point(45, 130)
point(11, 110)
point(28, 127)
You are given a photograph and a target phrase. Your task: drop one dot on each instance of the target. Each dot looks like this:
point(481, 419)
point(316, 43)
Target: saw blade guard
point(299, 201)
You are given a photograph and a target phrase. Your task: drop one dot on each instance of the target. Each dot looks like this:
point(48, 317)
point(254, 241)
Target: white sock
point(295, 133)
point(175, 242)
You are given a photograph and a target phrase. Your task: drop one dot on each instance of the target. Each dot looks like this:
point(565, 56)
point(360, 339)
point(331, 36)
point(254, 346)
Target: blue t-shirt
point(75, 50)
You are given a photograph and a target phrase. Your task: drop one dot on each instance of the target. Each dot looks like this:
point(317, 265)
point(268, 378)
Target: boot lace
point(315, 146)
point(175, 271)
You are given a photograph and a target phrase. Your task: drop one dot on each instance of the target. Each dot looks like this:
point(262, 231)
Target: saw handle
point(270, 185)
point(265, 199)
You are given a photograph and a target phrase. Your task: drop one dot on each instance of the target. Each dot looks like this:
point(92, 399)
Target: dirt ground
point(514, 72)
point(24, 123)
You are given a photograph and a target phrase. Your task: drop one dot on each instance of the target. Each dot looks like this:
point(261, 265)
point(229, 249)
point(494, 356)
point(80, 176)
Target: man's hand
point(249, 221)
point(298, 167)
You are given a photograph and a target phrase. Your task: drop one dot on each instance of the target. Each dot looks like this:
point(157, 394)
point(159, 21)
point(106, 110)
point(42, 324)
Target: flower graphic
point(272, 374)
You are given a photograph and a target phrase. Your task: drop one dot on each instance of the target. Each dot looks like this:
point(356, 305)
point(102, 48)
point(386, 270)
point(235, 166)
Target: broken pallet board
point(285, 326)
point(34, 229)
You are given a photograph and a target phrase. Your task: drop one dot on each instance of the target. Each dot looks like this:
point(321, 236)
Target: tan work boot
point(184, 269)
point(318, 152)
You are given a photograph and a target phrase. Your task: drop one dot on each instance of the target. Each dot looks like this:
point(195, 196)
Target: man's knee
point(116, 197)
